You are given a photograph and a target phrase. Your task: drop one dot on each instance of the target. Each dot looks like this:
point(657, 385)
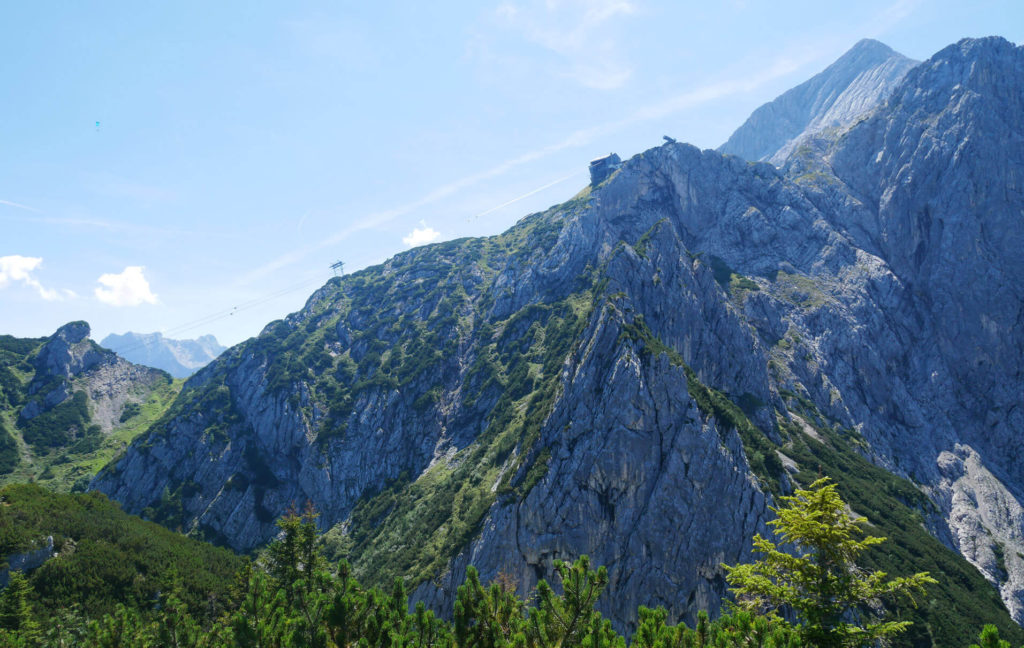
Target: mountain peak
point(855, 83)
point(988, 48)
point(869, 45)
point(73, 332)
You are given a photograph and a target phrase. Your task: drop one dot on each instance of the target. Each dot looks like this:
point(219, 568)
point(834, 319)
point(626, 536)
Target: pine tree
point(571, 620)
point(125, 628)
point(259, 621)
point(491, 617)
point(822, 581)
point(176, 627)
point(66, 628)
point(15, 610)
point(989, 638)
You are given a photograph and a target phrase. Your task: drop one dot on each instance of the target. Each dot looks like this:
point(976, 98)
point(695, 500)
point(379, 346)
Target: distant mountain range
point(180, 358)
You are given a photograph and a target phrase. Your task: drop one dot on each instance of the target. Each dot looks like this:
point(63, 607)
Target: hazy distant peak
point(180, 358)
point(855, 83)
point(869, 46)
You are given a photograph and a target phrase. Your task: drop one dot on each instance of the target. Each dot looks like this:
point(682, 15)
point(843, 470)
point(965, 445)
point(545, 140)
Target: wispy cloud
point(526, 195)
point(8, 203)
point(128, 288)
point(18, 269)
point(576, 139)
point(102, 224)
point(421, 235)
point(891, 16)
point(579, 34)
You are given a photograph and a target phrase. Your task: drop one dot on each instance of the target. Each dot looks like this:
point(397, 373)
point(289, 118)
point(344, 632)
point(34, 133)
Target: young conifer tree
point(15, 610)
point(821, 580)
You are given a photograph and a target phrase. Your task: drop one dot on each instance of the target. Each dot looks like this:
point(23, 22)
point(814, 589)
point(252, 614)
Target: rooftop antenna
point(338, 268)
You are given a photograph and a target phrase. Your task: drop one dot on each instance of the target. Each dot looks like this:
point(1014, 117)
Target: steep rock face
point(986, 521)
point(935, 178)
point(635, 373)
point(180, 358)
point(68, 353)
point(856, 83)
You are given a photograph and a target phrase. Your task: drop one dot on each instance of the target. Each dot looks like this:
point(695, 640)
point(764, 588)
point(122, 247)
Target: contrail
point(525, 195)
point(19, 206)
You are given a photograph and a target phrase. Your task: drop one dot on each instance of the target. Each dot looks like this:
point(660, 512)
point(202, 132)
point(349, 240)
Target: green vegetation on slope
point(412, 529)
point(108, 557)
point(818, 576)
point(9, 455)
point(71, 468)
point(59, 425)
point(713, 403)
point(894, 505)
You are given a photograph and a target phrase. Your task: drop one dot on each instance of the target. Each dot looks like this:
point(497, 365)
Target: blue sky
point(195, 167)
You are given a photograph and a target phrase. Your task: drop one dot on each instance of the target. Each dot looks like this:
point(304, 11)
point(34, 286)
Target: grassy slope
point(67, 469)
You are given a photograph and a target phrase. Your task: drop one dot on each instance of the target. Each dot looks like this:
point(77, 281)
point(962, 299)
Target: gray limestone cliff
point(637, 373)
point(856, 83)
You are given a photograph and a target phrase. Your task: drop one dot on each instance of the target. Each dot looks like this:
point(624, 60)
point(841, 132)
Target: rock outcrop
point(69, 361)
point(65, 394)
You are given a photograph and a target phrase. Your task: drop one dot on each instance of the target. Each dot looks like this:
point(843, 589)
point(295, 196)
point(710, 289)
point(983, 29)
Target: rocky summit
point(67, 405)
point(636, 374)
point(856, 83)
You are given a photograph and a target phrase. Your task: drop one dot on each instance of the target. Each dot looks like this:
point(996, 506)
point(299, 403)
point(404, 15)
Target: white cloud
point(129, 288)
point(16, 268)
point(421, 236)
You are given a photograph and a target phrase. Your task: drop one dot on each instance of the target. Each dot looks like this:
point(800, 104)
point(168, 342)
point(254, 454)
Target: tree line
point(813, 594)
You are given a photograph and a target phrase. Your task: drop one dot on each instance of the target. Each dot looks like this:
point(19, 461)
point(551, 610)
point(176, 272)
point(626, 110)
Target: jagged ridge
point(180, 358)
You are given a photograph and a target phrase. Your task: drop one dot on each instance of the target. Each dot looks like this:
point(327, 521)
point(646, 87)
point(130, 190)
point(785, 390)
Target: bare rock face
point(68, 353)
point(636, 373)
point(986, 521)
